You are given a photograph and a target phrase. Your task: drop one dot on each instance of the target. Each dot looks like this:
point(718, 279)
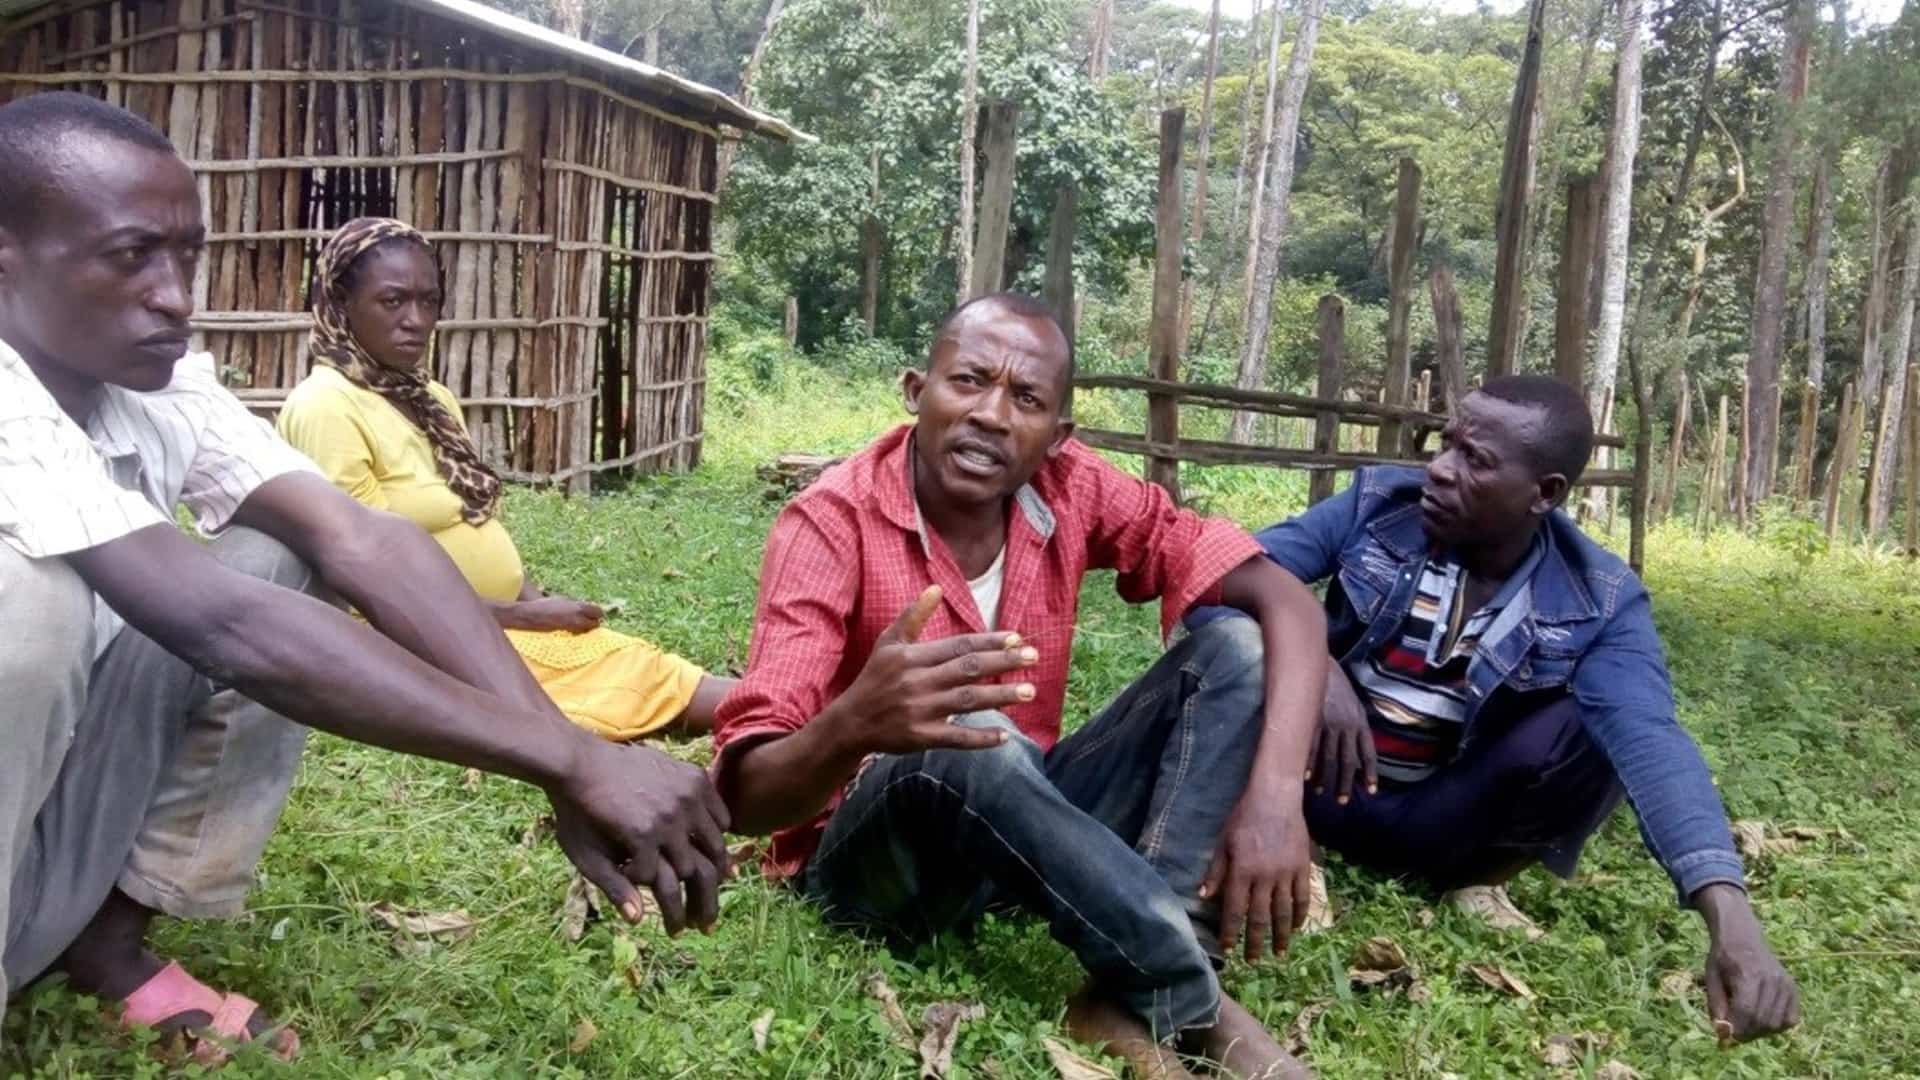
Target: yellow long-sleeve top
point(619, 686)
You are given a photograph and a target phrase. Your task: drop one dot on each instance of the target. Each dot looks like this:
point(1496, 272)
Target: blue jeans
point(1108, 836)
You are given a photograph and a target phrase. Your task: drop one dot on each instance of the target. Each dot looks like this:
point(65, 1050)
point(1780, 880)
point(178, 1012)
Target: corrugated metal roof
point(624, 68)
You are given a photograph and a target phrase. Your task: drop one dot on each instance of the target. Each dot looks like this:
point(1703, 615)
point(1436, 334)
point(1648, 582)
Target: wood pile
point(790, 474)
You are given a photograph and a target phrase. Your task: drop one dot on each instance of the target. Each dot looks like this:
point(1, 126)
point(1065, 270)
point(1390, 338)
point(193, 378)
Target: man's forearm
point(783, 781)
point(1293, 632)
point(414, 594)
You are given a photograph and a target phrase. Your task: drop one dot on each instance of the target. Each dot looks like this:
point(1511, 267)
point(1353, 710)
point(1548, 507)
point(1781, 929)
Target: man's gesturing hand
point(909, 688)
point(631, 816)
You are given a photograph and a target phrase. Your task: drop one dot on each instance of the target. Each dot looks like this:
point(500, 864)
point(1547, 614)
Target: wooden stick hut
point(570, 191)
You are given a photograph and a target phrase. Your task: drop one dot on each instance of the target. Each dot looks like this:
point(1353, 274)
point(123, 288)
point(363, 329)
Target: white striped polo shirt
point(64, 489)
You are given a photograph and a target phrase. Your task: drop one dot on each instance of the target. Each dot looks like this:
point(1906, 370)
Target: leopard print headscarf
point(334, 345)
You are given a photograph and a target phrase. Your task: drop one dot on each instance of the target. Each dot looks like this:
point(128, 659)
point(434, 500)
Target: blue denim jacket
point(1574, 619)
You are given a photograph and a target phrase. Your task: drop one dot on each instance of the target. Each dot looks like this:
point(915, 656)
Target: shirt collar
point(893, 491)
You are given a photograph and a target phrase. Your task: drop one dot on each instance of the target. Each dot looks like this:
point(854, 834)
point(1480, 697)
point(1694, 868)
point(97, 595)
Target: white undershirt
point(986, 589)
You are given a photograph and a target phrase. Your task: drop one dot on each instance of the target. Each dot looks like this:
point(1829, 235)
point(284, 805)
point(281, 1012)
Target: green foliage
point(880, 86)
point(1793, 669)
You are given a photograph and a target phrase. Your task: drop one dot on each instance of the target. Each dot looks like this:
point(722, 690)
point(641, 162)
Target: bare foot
point(1245, 1050)
point(1101, 1023)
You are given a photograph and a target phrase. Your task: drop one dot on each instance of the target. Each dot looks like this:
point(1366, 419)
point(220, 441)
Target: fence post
point(790, 325)
point(1163, 412)
point(1406, 237)
point(1423, 397)
point(1326, 426)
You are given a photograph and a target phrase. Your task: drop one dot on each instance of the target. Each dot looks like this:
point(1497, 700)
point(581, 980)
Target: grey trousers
point(131, 771)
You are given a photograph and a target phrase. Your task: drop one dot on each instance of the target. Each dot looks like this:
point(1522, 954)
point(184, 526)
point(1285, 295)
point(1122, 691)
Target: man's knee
point(1228, 654)
point(994, 767)
point(258, 555)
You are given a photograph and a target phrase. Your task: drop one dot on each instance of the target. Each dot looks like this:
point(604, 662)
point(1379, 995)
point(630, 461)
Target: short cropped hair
point(1565, 439)
point(1013, 303)
point(36, 131)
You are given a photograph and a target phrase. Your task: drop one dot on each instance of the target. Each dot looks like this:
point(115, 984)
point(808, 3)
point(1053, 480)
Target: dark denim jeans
point(1532, 791)
point(1108, 836)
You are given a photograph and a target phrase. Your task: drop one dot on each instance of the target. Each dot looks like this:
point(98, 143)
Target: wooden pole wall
point(299, 115)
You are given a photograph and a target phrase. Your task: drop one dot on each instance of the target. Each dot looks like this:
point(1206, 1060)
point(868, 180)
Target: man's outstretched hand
point(1262, 873)
point(1749, 993)
point(631, 817)
point(902, 699)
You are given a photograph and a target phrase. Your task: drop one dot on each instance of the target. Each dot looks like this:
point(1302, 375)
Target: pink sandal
point(173, 991)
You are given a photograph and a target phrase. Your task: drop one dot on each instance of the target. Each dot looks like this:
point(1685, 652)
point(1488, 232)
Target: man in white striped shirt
point(136, 778)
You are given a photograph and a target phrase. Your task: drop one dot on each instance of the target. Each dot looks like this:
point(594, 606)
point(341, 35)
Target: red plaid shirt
point(847, 556)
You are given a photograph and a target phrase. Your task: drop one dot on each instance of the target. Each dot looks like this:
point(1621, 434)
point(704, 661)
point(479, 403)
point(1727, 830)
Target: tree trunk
point(1880, 499)
point(1246, 118)
point(1873, 313)
point(1202, 166)
point(1163, 358)
point(996, 198)
point(1273, 220)
point(1448, 348)
point(1698, 279)
point(723, 163)
point(872, 239)
point(969, 119)
point(1550, 136)
point(1508, 319)
point(1058, 291)
point(1768, 340)
point(1102, 40)
point(1623, 146)
point(1576, 281)
point(1256, 205)
point(1406, 241)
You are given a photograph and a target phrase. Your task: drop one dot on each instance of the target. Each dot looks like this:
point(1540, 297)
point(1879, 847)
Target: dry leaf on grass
point(1491, 904)
point(1319, 903)
point(471, 781)
point(1679, 983)
point(1758, 839)
point(942, 1021)
point(1502, 980)
point(762, 1028)
point(537, 830)
point(1072, 1066)
point(1563, 1051)
point(746, 852)
point(575, 909)
point(1615, 1070)
point(890, 1008)
point(583, 1035)
point(1381, 964)
point(1424, 918)
point(1300, 1032)
point(446, 925)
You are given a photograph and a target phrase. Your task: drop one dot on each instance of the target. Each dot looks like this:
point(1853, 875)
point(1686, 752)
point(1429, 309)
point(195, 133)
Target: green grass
point(1795, 669)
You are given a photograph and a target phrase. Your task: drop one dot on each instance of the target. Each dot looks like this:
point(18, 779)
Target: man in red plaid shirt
point(899, 723)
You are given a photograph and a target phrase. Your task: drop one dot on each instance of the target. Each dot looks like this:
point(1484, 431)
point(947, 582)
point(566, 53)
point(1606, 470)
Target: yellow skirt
point(617, 686)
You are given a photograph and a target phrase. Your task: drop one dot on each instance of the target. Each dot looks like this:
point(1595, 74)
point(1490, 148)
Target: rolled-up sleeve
point(809, 582)
point(1626, 704)
point(1159, 549)
point(236, 453)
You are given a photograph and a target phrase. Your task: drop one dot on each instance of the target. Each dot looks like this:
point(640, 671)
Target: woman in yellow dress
point(391, 437)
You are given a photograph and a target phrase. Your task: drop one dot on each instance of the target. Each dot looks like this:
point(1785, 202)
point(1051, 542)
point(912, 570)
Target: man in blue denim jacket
point(1497, 681)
